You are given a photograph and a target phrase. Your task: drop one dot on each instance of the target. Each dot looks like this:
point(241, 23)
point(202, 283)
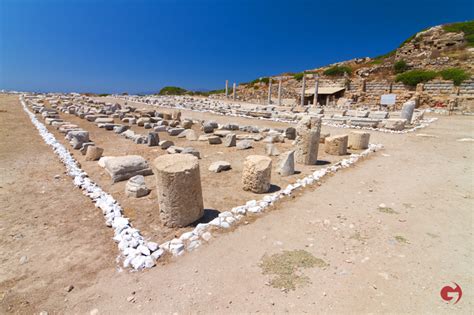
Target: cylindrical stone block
point(359, 140)
point(178, 182)
point(93, 153)
point(257, 173)
point(336, 145)
point(307, 141)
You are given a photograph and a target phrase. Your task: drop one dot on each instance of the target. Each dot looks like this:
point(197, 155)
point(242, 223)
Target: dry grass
point(401, 239)
point(387, 210)
point(286, 267)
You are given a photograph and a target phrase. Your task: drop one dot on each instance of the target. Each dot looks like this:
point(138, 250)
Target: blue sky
point(141, 46)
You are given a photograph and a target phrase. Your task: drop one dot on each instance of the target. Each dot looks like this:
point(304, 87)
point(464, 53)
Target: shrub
point(413, 77)
point(263, 80)
point(456, 75)
point(104, 94)
point(400, 66)
point(466, 27)
point(338, 70)
point(298, 76)
point(172, 90)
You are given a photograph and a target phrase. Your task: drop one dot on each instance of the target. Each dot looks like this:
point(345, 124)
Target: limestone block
point(178, 182)
point(256, 175)
point(336, 145)
point(286, 164)
point(358, 140)
point(136, 187)
point(307, 140)
point(93, 153)
point(124, 167)
point(230, 140)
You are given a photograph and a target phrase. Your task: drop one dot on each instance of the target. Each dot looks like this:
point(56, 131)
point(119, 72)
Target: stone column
point(407, 110)
point(233, 91)
point(316, 88)
point(178, 183)
point(358, 140)
point(269, 92)
point(303, 90)
point(336, 145)
point(257, 173)
point(279, 92)
point(227, 88)
point(308, 131)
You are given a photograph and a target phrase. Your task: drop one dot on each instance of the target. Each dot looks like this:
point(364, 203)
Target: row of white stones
point(137, 252)
point(193, 239)
point(141, 254)
point(423, 123)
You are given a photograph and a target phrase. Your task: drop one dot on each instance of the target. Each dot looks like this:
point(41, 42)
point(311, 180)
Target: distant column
point(303, 90)
point(233, 91)
point(279, 92)
point(316, 88)
point(270, 91)
point(227, 88)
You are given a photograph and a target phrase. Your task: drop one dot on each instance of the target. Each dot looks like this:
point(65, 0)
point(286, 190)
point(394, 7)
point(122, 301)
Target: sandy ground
point(378, 262)
point(219, 191)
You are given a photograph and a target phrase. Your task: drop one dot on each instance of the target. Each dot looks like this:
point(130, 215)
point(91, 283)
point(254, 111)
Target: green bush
point(338, 71)
point(103, 94)
point(413, 77)
point(466, 27)
point(172, 90)
point(298, 76)
point(456, 75)
point(400, 66)
point(263, 80)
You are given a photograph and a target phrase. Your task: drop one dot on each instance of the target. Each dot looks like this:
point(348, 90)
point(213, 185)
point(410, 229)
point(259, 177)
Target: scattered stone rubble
point(177, 174)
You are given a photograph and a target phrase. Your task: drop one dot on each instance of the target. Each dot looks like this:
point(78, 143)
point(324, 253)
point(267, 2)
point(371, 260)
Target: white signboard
point(388, 99)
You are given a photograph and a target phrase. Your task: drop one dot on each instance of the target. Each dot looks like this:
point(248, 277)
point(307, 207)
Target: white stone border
point(423, 123)
point(193, 239)
point(139, 253)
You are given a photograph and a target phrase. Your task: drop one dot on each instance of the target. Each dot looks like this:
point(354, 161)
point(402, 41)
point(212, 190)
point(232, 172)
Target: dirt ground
point(395, 259)
point(219, 191)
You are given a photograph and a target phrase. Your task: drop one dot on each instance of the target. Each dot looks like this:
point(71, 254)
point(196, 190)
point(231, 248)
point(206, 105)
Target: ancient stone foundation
point(178, 182)
point(257, 172)
point(336, 145)
point(307, 141)
point(359, 140)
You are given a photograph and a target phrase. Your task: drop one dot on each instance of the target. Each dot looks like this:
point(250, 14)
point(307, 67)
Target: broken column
point(358, 140)
point(178, 183)
point(227, 88)
point(93, 153)
point(233, 91)
point(336, 145)
point(407, 110)
point(303, 89)
point(279, 92)
point(257, 173)
point(316, 88)
point(307, 140)
point(269, 92)
point(286, 164)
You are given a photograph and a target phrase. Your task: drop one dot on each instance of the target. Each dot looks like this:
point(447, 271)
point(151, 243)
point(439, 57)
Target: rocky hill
point(442, 54)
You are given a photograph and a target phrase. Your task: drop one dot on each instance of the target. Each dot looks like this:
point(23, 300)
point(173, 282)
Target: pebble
point(23, 260)
point(69, 288)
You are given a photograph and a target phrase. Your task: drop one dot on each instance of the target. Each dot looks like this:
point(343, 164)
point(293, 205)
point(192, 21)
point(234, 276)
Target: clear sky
point(140, 46)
